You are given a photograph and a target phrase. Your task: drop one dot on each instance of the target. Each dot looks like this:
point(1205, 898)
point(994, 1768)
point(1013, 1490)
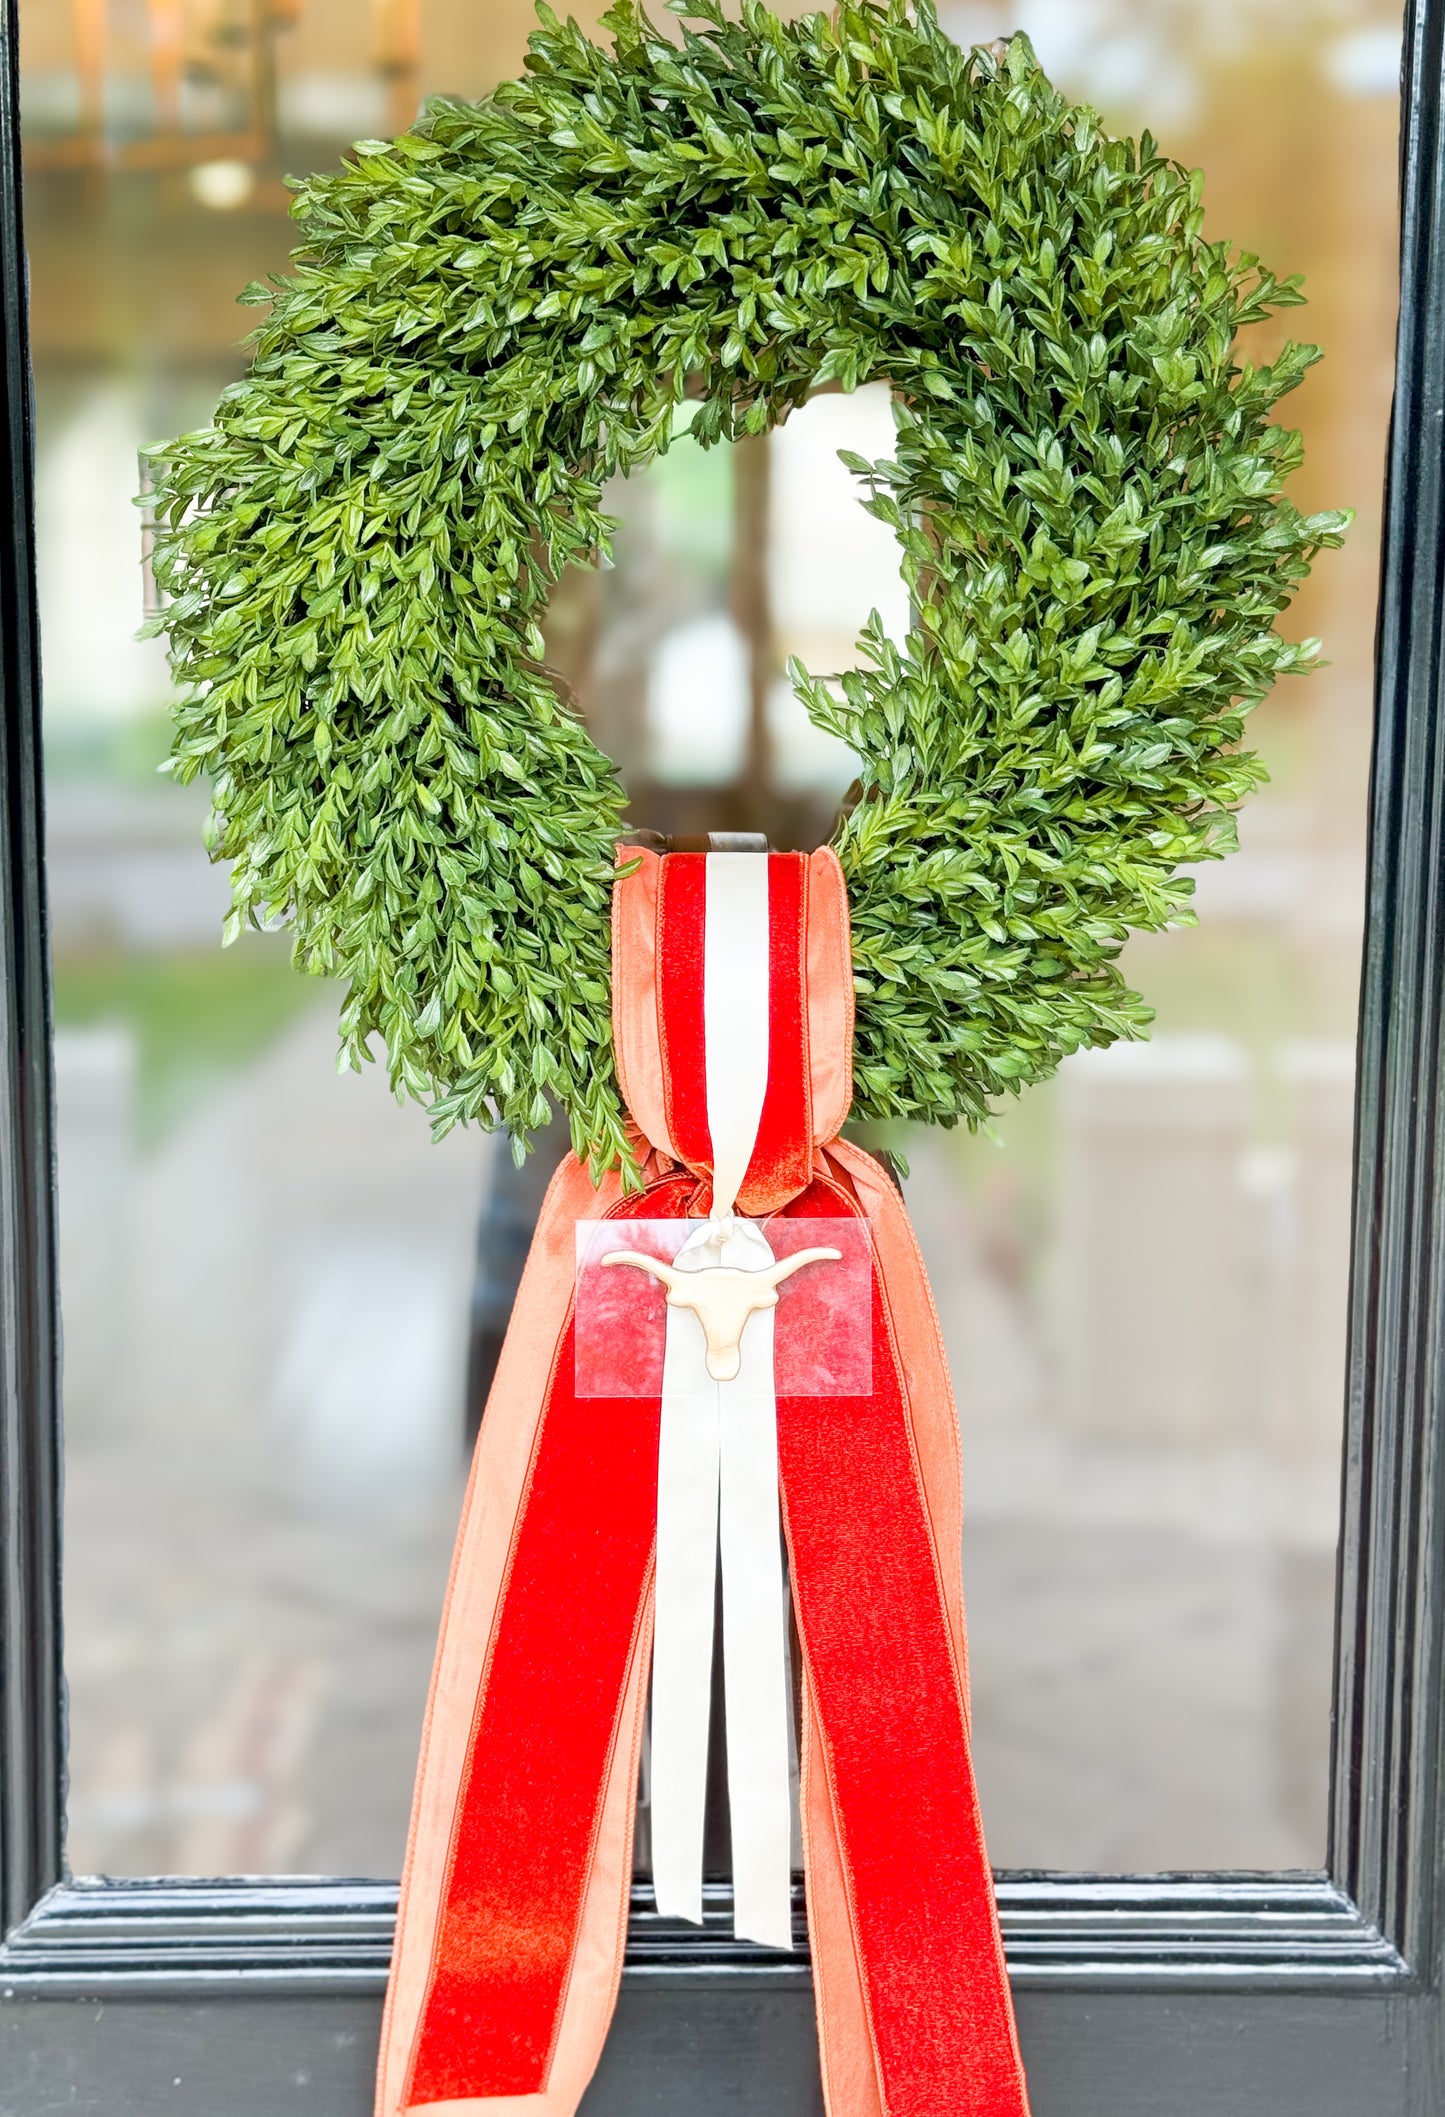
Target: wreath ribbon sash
point(515, 1898)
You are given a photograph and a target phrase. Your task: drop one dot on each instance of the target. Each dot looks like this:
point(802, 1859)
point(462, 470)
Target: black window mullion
point(30, 1686)
point(1391, 1582)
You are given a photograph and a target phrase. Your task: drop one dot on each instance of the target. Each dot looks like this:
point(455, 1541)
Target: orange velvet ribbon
point(514, 1899)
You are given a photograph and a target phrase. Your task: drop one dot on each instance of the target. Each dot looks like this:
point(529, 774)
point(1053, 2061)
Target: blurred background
point(276, 1323)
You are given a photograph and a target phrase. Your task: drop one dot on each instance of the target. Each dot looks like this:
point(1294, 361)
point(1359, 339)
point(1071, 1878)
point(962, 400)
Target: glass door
point(1203, 1713)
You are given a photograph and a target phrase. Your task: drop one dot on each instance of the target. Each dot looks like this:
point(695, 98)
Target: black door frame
point(1299, 1995)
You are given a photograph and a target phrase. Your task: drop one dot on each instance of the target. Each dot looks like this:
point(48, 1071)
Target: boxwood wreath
point(496, 312)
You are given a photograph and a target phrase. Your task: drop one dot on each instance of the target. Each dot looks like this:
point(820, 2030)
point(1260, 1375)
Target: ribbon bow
point(586, 1518)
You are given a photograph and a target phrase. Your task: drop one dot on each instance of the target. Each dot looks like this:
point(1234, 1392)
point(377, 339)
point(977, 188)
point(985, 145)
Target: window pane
point(1143, 1275)
point(281, 1300)
point(268, 1272)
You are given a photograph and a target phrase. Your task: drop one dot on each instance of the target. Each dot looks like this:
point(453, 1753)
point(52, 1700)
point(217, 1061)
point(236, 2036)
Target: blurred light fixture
point(223, 186)
point(1367, 63)
point(697, 704)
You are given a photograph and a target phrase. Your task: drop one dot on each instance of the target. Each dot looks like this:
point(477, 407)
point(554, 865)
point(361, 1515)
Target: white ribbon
point(718, 1481)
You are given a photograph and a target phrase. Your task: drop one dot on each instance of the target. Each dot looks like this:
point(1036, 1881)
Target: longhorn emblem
point(723, 1298)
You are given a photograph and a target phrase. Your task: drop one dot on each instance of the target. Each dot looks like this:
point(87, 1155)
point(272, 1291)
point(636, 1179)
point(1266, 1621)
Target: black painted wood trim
point(1241, 1932)
point(30, 1691)
point(1384, 1847)
point(1370, 1928)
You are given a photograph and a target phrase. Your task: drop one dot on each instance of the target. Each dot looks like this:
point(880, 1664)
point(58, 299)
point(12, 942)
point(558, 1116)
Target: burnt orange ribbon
point(514, 1900)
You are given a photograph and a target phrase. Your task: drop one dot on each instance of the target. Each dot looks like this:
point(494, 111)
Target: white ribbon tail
point(755, 1649)
point(755, 1684)
point(687, 1544)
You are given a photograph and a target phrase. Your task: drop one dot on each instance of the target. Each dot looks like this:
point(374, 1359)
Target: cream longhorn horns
point(723, 1298)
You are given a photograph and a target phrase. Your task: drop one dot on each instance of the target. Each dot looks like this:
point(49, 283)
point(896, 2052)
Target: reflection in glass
point(281, 1301)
